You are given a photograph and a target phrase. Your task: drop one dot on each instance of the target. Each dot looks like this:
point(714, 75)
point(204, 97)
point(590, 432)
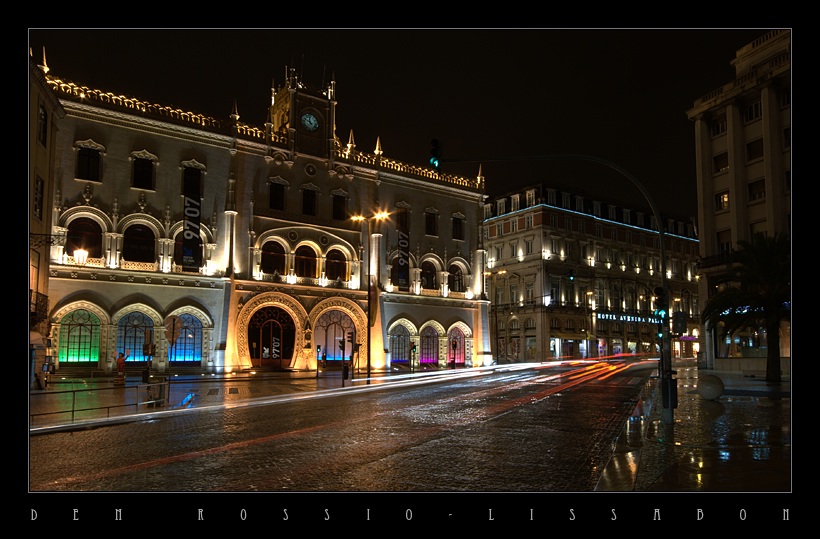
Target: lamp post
point(372, 261)
point(587, 317)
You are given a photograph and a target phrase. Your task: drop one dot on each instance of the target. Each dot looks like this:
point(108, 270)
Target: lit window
point(722, 201)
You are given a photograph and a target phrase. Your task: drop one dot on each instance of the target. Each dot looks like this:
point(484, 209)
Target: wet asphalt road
point(521, 431)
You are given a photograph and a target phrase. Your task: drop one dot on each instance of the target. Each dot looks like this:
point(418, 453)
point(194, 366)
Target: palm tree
point(758, 293)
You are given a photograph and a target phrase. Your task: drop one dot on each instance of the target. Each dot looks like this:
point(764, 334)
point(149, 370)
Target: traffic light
point(350, 338)
point(572, 275)
point(661, 311)
point(435, 154)
point(413, 347)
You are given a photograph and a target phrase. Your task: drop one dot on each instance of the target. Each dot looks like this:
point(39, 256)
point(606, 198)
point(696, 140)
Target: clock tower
point(306, 116)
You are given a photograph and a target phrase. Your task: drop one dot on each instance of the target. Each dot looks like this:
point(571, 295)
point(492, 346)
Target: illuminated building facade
point(743, 145)
point(571, 278)
point(44, 112)
point(209, 244)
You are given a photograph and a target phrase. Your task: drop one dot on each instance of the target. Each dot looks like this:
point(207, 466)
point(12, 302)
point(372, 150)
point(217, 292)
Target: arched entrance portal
point(331, 333)
point(271, 336)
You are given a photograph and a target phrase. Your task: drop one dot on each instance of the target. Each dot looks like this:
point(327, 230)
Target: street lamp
point(80, 256)
point(494, 306)
point(373, 263)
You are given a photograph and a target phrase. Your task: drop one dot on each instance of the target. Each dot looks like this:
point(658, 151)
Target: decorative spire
point(351, 144)
point(44, 66)
point(331, 89)
point(378, 150)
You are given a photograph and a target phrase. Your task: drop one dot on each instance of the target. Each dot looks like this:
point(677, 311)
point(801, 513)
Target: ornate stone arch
point(204, 232)
point(436, 325)
point(345, 248)
point(90, 144)
point(193, 163)
point(90, 212)
point(317, 249)
point(278, 179)
point(434, 258)
point(207, 330)
point(144, 219)
point(465, 329)
point(409, 326)
point(350, 308)
point(273, 235)
point(152, 313)
point(96, 310)
point(271, 299)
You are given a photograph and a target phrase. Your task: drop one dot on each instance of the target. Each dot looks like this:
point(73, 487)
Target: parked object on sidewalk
point(710, 387)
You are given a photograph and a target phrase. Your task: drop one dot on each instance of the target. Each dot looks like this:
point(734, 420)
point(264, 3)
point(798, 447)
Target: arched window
point(400, 345)
point(429, 345)
point(455, 346)
point(139, 244)
point(84, 233)
point(336, 265)
point(79, 337)
point(185, 338)
point(305, 262)
point(455, 280)
point(330, 330)
point(134, 330)
point(428, 275)
point(273, 258)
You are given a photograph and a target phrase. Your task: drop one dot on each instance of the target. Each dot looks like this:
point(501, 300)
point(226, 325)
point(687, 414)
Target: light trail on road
point(585, 373)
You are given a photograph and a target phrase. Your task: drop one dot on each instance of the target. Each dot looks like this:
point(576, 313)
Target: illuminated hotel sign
point(627, 318)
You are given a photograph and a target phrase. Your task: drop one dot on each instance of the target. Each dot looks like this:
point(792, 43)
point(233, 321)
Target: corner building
point(44, 113)
point(207, 244)
point(571, 277)
point(743, 152)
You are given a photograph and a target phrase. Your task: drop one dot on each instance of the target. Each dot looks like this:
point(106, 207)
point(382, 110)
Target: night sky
point(501, 98)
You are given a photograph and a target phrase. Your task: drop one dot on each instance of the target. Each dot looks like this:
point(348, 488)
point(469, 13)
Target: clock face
point(310, 122)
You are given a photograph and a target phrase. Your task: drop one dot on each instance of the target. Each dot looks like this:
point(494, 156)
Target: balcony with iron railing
point(721, 259)
point(38, 306)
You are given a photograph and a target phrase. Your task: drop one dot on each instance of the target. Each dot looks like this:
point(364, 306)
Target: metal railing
point(72, 405)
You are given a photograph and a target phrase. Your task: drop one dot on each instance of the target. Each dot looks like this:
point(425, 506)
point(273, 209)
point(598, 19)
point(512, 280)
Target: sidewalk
point(738, 442)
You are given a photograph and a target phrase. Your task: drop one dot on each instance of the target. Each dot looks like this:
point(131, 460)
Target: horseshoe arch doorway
point(271, 338)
